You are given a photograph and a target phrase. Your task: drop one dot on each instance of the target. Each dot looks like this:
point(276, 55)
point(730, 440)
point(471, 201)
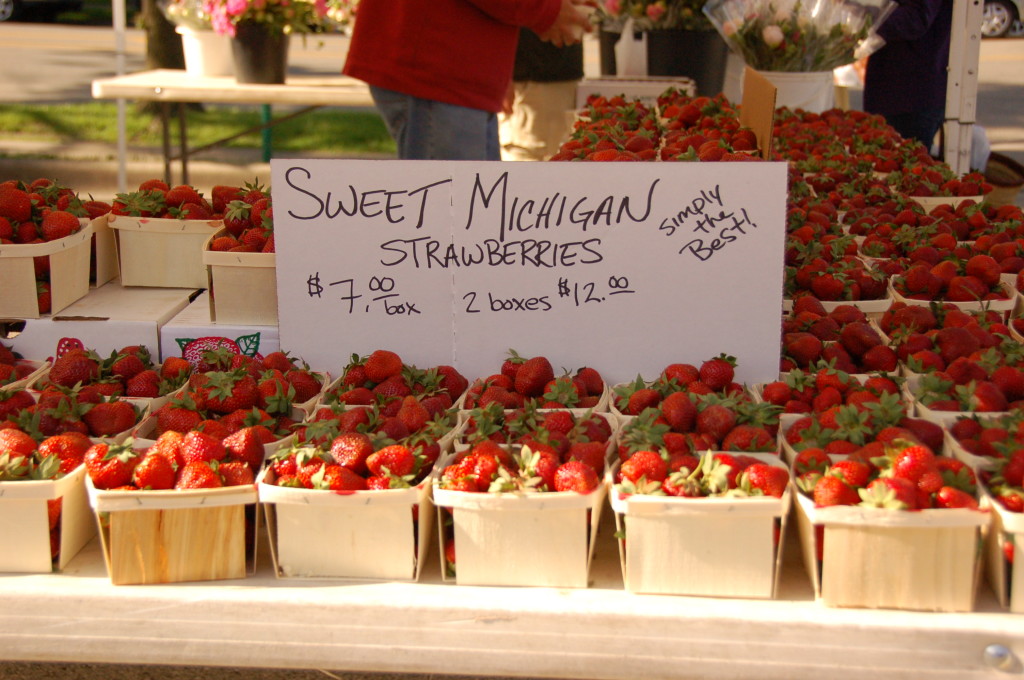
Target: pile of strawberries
point(532, 380)
point(127, 372)
point(241, 392)
point(41, 212)
point(248, 218)
point(903, 476)
point(843, 338)
point(708, 475)
point(12, 367)
point(23, 458)
point(195, 460)
point(383, 378)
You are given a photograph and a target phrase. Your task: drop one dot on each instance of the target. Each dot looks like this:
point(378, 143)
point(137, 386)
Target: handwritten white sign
point(625, 267)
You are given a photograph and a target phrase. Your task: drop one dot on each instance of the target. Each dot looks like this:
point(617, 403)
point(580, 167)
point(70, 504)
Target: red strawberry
point(236, 473)
point(110, 466)
point(646, 465)
point(719, 372)
point(154, 471)
point(110, 418)
point(198, 474)
point(951, 497)
point(398, 460)
point(534, 374)
point(381, 365)
point(830, 491)
point(58, 224)
point(351, 449)
point(200, 446)
point(577, 476)
point(771, 480)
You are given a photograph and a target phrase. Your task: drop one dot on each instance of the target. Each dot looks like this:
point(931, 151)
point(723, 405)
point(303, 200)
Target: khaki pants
point(540, 121)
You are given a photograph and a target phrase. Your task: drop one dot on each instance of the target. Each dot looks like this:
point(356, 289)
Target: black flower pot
point(606, 46)
point(700, 55)
point(260, 54)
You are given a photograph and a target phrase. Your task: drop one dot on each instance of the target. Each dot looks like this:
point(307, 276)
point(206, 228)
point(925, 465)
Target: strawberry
point(69, 448)
point(951, 497)
point(351, 449)
point(646, 465)
point(74, 367)
point(202, 447)
point(173, 367)
point(398, 460)
point(718, 373)
point(577, 476)
point(109, 418)
point(236, 473)
point(830, 491)
point(770, 480)
point(16, 443)
point(534, 374)
point(381, 365)
point(246, 445)
point(198, 474)
point(110, 465)
point(338, 478)
point(58, 224)
point(679, 411)
point(154, 471)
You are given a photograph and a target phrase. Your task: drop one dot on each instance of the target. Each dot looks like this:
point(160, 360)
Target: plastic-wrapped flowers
point(799, 35)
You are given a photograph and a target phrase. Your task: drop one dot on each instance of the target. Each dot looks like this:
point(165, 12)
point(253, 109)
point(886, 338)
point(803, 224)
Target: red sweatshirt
point(455, 51)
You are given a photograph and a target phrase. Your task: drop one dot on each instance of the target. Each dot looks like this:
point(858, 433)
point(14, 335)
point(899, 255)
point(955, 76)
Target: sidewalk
point(92, 168)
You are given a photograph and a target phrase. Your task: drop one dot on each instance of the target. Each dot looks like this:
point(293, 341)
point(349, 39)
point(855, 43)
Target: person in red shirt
point(438, 70)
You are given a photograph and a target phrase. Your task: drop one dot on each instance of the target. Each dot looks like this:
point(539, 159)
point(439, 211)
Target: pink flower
point(613, 7)
point(655, 11)
point(236, 7)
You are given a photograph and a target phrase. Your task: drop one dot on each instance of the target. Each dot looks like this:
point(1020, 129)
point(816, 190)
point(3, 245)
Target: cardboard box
point(1006, 535)
point(718, 547)
point(69, 274)
point(909, 391)
point(24, 524)
point(876, 558)
point(105, 320)
point(644, 88)
point(164, 253)
point(1002, 306)
point(360, 535)
point(193, 328)
point(242, 286)
point(103, 267)
point(539, 539)
point(175, 536)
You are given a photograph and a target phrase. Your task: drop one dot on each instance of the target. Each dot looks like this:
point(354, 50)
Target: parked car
point(16, 9)
point(999, 18)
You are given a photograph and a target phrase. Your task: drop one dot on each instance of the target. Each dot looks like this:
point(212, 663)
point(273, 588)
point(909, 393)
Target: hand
point(509, 99)
point(570, 25)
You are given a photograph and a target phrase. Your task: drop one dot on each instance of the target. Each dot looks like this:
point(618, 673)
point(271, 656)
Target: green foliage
point(328, 130)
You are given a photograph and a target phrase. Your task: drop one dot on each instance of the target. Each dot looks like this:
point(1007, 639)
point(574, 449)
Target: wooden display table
point(173, 87)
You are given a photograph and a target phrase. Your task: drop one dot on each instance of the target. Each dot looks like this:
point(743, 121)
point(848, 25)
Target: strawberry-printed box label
point(435, 259)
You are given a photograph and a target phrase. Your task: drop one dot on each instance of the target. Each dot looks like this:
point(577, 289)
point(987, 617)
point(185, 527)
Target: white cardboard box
point(360, 535)
point(107, 319)
point(537, 539)
point(925, 560)
point(24, 525)
point(193, 323)
point(1006, 578)
point(242, 286)
point(720, 547)
point(161, 252)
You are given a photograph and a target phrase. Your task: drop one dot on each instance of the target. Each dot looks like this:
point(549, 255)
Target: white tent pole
point(962, 83)
point(122, 105)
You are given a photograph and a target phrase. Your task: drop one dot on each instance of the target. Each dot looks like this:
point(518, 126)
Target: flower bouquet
point(798, 35)
point(653, 14)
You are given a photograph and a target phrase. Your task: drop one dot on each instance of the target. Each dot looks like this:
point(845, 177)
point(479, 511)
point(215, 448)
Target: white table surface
point(434, 627)
point(175, 85)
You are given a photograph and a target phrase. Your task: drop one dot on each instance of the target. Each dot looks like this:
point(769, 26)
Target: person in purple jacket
point(906, 79)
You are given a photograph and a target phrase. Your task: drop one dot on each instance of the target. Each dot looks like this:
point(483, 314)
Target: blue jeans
point(425, 129)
